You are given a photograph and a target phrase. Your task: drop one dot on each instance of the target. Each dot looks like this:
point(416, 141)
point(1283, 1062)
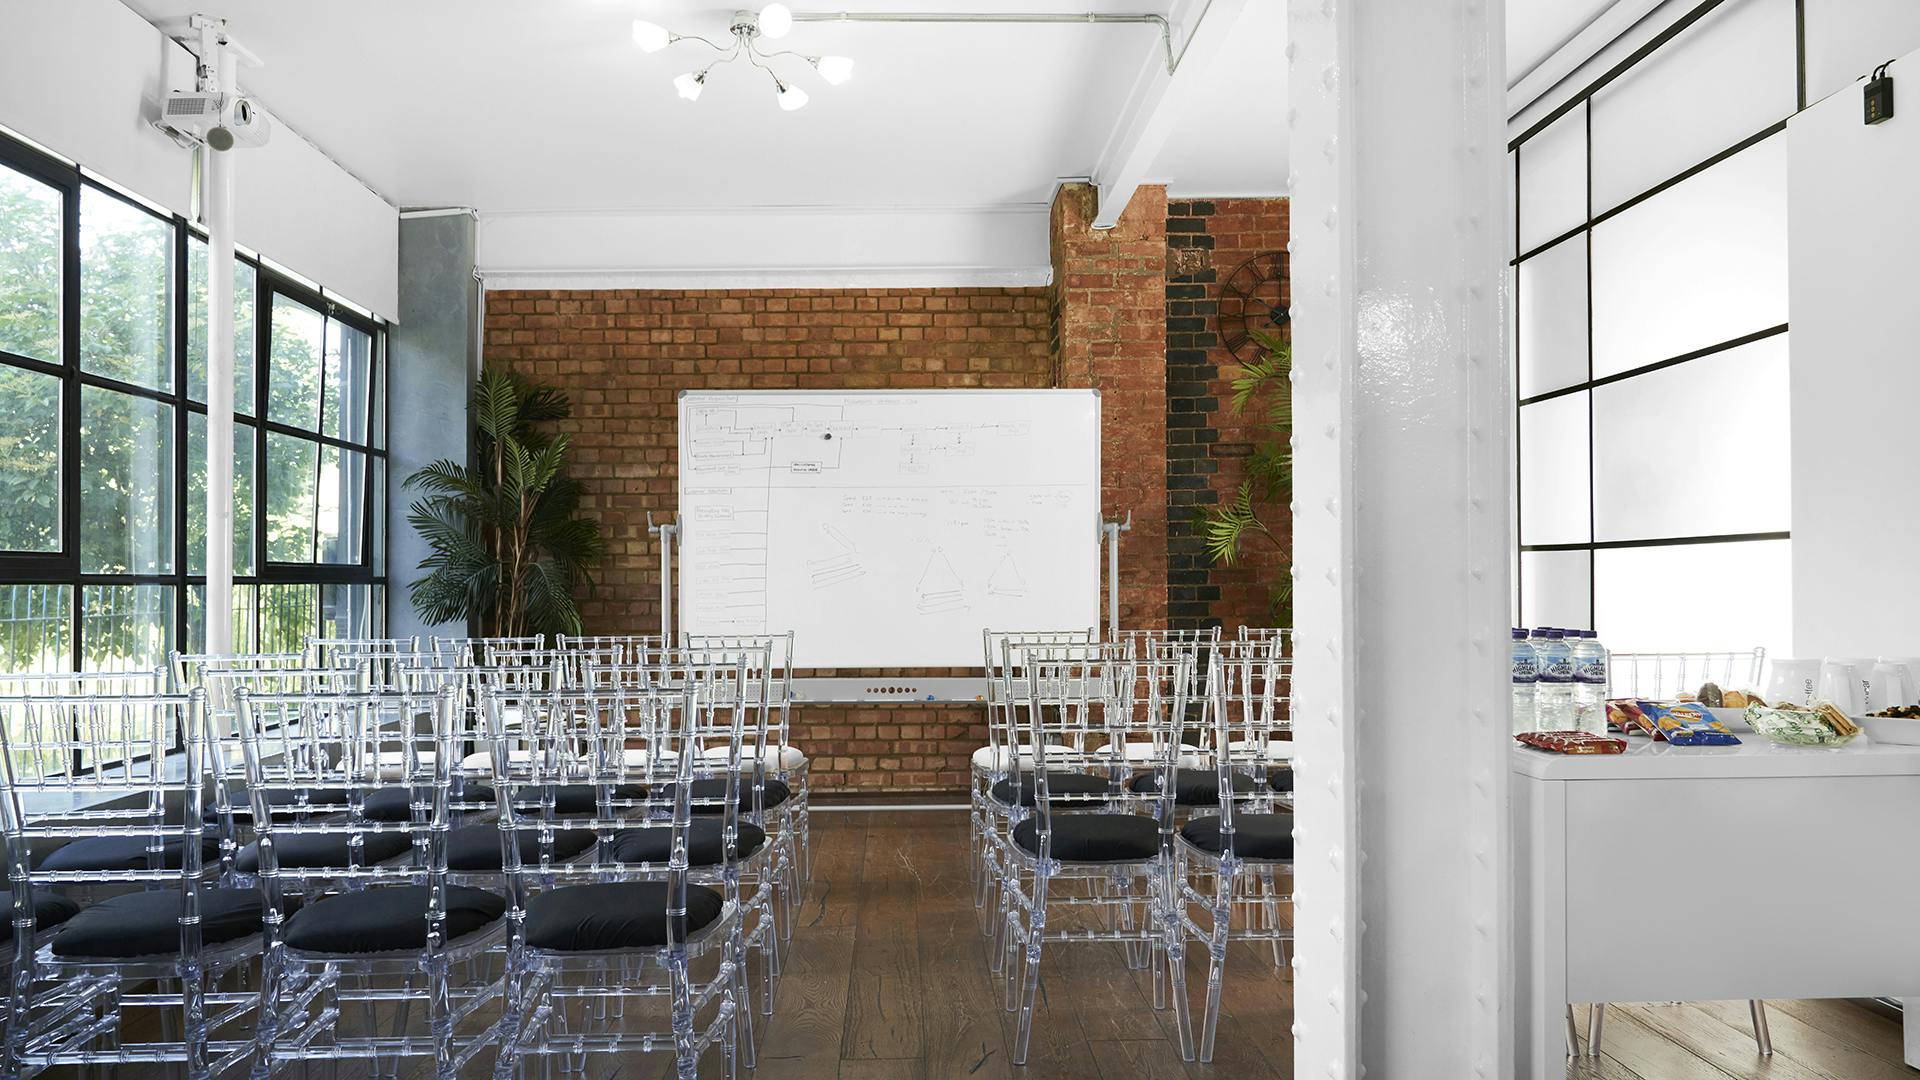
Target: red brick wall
point(624, 356)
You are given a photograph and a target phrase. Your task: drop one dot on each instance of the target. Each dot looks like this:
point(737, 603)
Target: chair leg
point(742, 1025)
point(1030, 983)
point(1573, 1036)
point(1761, 1036)
point(1272, 909)
point(1596, 1026)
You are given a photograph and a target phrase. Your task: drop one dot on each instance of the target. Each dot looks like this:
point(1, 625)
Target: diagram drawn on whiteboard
point(940, 587)
point(841, 565)
point(1006, 579)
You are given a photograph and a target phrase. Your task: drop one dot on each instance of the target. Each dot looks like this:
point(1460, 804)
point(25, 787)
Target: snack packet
point(1687, 724)
point(1625, 716)
point(1572, 742)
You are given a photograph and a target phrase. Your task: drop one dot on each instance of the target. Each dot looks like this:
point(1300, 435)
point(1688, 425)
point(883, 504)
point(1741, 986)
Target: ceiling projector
point(221, 121)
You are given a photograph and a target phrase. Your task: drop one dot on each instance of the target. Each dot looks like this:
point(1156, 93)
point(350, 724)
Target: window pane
point(243, 618)
point(1553, 471)
point(379, 395)
point(126, 627)
point(378, 553)
point(1553, 180)
point(342, 511)
point(126, 261)
point(1698, 264)
point(1556, 588)
point(289, 615)
point(349, 365)
point(1734, 69)
point(197, 496)
point(1849, 38)
point(30, 213)
point(36, 628)
point(126, 484)
point(1696, 597)
point(29, 459)
point(197, 260)
point(1553, 318)
point(292, 465)
point(1700, 449)
point(346, 611)
point(293, 371)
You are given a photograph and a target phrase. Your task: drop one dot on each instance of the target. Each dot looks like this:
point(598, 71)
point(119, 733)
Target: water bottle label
point(1592, 670)
point(1557, 669)
point(1525, 669)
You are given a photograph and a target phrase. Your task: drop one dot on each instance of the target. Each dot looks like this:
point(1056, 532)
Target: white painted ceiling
point(1537, 28)
point(515, 105)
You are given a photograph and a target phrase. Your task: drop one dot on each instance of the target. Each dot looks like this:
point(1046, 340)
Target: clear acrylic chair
point(1113, 858)
point(773, 698)
point(462, 651)
point(592, 938)
point(326, 652)
point(96, 806)
point(375, 937)
point(627, 646)
point(1243, 851)
point(993, 762)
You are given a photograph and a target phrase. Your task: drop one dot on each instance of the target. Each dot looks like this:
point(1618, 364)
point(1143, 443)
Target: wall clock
point(1253, 300)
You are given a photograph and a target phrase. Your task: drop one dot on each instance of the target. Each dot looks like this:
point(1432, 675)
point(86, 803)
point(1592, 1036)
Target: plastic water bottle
point(1589, 682)
point(1526, 672)
point(1553, 694)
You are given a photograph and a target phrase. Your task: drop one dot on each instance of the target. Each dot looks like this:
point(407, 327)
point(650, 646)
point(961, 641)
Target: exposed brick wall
point(1207, 443)
point(1110, 333)
point(625, 355)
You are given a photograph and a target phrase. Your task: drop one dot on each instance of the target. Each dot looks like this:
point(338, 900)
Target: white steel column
point(1400, 532)
point(217, 67)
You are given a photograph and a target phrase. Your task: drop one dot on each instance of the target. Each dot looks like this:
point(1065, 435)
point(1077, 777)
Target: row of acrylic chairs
point(490, 865)
point(1134, 792)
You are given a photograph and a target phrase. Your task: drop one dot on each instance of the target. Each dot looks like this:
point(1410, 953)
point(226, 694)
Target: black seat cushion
point(387, 919)
point(1280, 779)
point(576, 800)
point(148, 923)
point(49, 910)
point(618, 915)
point(655, 844)
point(1094, 837)
point(311, 851)
point(707, 795)
point(1193, 787)
point(394, 804)
point(1255, 836)
point(1058, 784)
point(475, 849)
point(124, 853)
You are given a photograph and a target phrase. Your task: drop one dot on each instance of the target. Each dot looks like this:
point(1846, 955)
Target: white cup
point(1840, 684)
point(1890, 685)
point(1793, 682)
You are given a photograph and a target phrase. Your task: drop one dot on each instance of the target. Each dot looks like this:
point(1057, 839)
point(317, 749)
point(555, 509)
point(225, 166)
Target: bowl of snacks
point(1727, 706)
point(1900, 725)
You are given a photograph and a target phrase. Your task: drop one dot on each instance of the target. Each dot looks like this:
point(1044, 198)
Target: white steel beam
point(217, 66)
point(1400, 412)
point(1161, 97)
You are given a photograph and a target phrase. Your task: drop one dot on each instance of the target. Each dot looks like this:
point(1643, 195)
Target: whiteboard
point(886, 528)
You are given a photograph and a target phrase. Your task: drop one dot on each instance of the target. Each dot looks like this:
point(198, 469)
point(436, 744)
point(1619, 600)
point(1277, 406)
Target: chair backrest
point(735, 684)
point(93, 766)
point(1666, 675)
point(473, 650)
point(1002, 690)
point(770, 665)
point(104, 686)
point(1245, 710)
point(331, 652)
point(628, 645)
point(189, 669)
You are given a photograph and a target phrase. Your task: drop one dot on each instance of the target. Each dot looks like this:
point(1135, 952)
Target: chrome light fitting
point(748, 29)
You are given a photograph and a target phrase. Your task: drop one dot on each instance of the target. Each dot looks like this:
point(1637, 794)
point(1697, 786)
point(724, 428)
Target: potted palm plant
point(1268, 483)
point(509, 547)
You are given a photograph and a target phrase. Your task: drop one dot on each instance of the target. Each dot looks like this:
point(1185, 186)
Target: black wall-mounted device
point(1879, 103)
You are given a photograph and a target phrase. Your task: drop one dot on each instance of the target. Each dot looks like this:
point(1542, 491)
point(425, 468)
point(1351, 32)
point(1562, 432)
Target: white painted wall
point(1854, 233)
point(84, 77)
point(783, 247)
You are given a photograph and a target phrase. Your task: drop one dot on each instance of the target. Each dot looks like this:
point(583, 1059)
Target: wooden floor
point(1713, 1040)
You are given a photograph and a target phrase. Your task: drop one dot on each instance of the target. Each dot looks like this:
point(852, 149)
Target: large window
point(103, 433)
point(1651, 341)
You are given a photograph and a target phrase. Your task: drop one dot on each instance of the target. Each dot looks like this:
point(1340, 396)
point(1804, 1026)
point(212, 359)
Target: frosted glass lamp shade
point(792, 97)
point(689, 85)
point(650, 36)
point(775, 20)
point(834, 69)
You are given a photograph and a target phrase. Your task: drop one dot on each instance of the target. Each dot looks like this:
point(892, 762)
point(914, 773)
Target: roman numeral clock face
point(1253, 300)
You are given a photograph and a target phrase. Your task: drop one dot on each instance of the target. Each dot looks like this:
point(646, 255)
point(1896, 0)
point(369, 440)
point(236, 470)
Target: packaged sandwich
point(1821, 725)
point(1687, 724)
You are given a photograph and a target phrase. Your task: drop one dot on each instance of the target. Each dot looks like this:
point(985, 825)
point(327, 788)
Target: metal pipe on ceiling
point(987, 17)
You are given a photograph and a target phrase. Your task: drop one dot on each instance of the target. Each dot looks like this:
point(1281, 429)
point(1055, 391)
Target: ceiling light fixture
point(772, 21)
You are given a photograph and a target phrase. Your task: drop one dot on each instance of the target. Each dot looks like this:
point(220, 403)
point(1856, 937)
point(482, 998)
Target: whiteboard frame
point(1105, 534)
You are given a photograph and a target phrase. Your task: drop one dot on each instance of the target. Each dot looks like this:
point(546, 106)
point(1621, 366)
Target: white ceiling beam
point(1526, 87)
point(1159, 99)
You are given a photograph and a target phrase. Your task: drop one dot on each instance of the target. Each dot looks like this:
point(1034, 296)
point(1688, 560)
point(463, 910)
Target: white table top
point(1755, 757)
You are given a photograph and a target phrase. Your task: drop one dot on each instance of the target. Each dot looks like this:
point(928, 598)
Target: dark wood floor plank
point(1153, 1059)
point(1853, 1024)
point(1646, 1052)
point(885, 999)
point(1728, 1048)
point(1808, 1044)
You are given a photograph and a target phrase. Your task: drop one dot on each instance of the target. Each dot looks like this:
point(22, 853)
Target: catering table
point(1674, 873)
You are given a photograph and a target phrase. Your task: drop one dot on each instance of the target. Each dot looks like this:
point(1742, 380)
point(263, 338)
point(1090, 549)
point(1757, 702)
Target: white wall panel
point(1721, 80)
point(84, 77)
point(1553, 471)
point(1699, 449)
point(1856, 264)
point(1556, 587)
point(1846, 39)
point(1553, 179)
point(1701, 263)
point(1695, 597)
point(1553, 318)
